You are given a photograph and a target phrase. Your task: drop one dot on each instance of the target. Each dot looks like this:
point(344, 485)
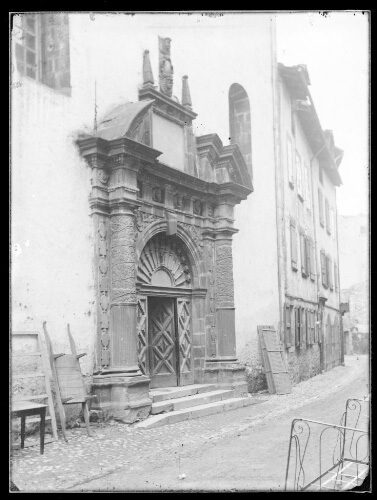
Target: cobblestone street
point(121, 457)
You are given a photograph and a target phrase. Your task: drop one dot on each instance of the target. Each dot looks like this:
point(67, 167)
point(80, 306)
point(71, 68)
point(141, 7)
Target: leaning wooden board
point(278, 379)
point(28, 341)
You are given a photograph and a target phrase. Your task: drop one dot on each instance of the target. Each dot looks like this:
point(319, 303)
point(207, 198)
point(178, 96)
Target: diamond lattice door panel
point(162, 340)
point(186, 375)
point(142, 339)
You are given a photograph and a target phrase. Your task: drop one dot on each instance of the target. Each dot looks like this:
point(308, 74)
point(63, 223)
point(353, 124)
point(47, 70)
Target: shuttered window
point(323, 269)
point(307, 187)
point(336, 277)
point(311, 258)
point(299, 176)
point(329, 269)
point(327, 215)
point(298, 326)
point(293, 245)
point(304, 324)
point(290, 162)
point(304, 271)
point(287, 325)
point(311, 327)
point(320, 206)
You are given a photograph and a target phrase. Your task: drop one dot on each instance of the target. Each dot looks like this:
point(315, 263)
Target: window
point(304, 333)
point(311, 327)
point(41, 48)
point(336, 281)
point(330, 281)
point(323, 268)
point(299, 176)
point(304, 254)
point(297, 326)
point(311, 258)
point(293, 245)
point(290, 162)
point(320, 173)
point(240, 122)
point(331, 221)
point(320, 205)
point(327, 215)
point(287, 325)
point(139, 189)
point(307, 186)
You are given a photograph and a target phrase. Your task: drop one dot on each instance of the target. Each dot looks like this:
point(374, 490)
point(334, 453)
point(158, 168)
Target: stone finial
point(147, 69)
point(186, 97)
point(165, 67)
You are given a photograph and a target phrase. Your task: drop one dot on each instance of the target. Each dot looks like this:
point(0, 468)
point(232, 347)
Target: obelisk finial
point(147, 69)
point(165, 67)
point(186, 97)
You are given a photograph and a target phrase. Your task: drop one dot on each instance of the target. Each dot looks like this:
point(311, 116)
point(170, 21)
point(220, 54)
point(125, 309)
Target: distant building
point(354, 272)
point(221, 219)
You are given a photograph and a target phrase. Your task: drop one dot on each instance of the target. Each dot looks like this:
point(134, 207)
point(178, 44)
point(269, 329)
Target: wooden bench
point(23, 409)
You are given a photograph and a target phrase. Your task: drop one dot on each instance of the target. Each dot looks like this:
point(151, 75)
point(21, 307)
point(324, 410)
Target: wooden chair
point(66, 372)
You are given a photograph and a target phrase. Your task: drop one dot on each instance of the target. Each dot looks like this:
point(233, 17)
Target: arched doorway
point(164, 312)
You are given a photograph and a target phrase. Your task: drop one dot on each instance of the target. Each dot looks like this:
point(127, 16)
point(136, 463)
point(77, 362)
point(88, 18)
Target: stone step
point(197, 411)
point(189, 401)
point(164, 393)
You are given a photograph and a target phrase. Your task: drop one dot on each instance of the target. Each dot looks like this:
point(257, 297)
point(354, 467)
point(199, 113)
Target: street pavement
point(239, 450)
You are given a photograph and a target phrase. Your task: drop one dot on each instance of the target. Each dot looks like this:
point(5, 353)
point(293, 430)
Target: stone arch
point(190, 246)
point(240, 122)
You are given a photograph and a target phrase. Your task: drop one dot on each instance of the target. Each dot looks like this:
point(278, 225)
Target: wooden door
point(162, 342)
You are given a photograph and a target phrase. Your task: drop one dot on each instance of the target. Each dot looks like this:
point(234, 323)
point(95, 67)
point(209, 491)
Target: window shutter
point(331, 221)
point(304, 323)
point(320, 205)
point(323, 269)
point(307, 252)
point(293, 325)
point(290, 162)
point(336, 277)
point(312, 261)
point(297, 326)
point(303, 256)
point(311, 327)
point(330, 278)
point(287, 322)
point(307, 184)
point(299, 175)
point(293, 246)
point(327, 215)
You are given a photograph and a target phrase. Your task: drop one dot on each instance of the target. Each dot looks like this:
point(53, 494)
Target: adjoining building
point(126, 202)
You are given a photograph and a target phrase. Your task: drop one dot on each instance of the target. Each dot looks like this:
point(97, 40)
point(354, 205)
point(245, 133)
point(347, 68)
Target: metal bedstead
point(329, 457)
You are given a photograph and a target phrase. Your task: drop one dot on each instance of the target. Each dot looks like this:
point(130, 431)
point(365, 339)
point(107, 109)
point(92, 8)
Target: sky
point(335, 48)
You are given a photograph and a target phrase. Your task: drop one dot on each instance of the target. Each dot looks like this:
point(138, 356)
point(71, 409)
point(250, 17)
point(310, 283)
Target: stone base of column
point(120, 397)
point(226, 374)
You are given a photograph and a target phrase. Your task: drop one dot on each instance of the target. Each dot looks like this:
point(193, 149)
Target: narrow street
point(243, 449)
point(253, 457)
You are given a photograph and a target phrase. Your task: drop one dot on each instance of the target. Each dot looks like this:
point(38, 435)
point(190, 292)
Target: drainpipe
point(279, 192)
point(339, 298)
point(320, 307)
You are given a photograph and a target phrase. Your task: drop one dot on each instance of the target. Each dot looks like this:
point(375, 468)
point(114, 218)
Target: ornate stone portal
point(163, 249)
